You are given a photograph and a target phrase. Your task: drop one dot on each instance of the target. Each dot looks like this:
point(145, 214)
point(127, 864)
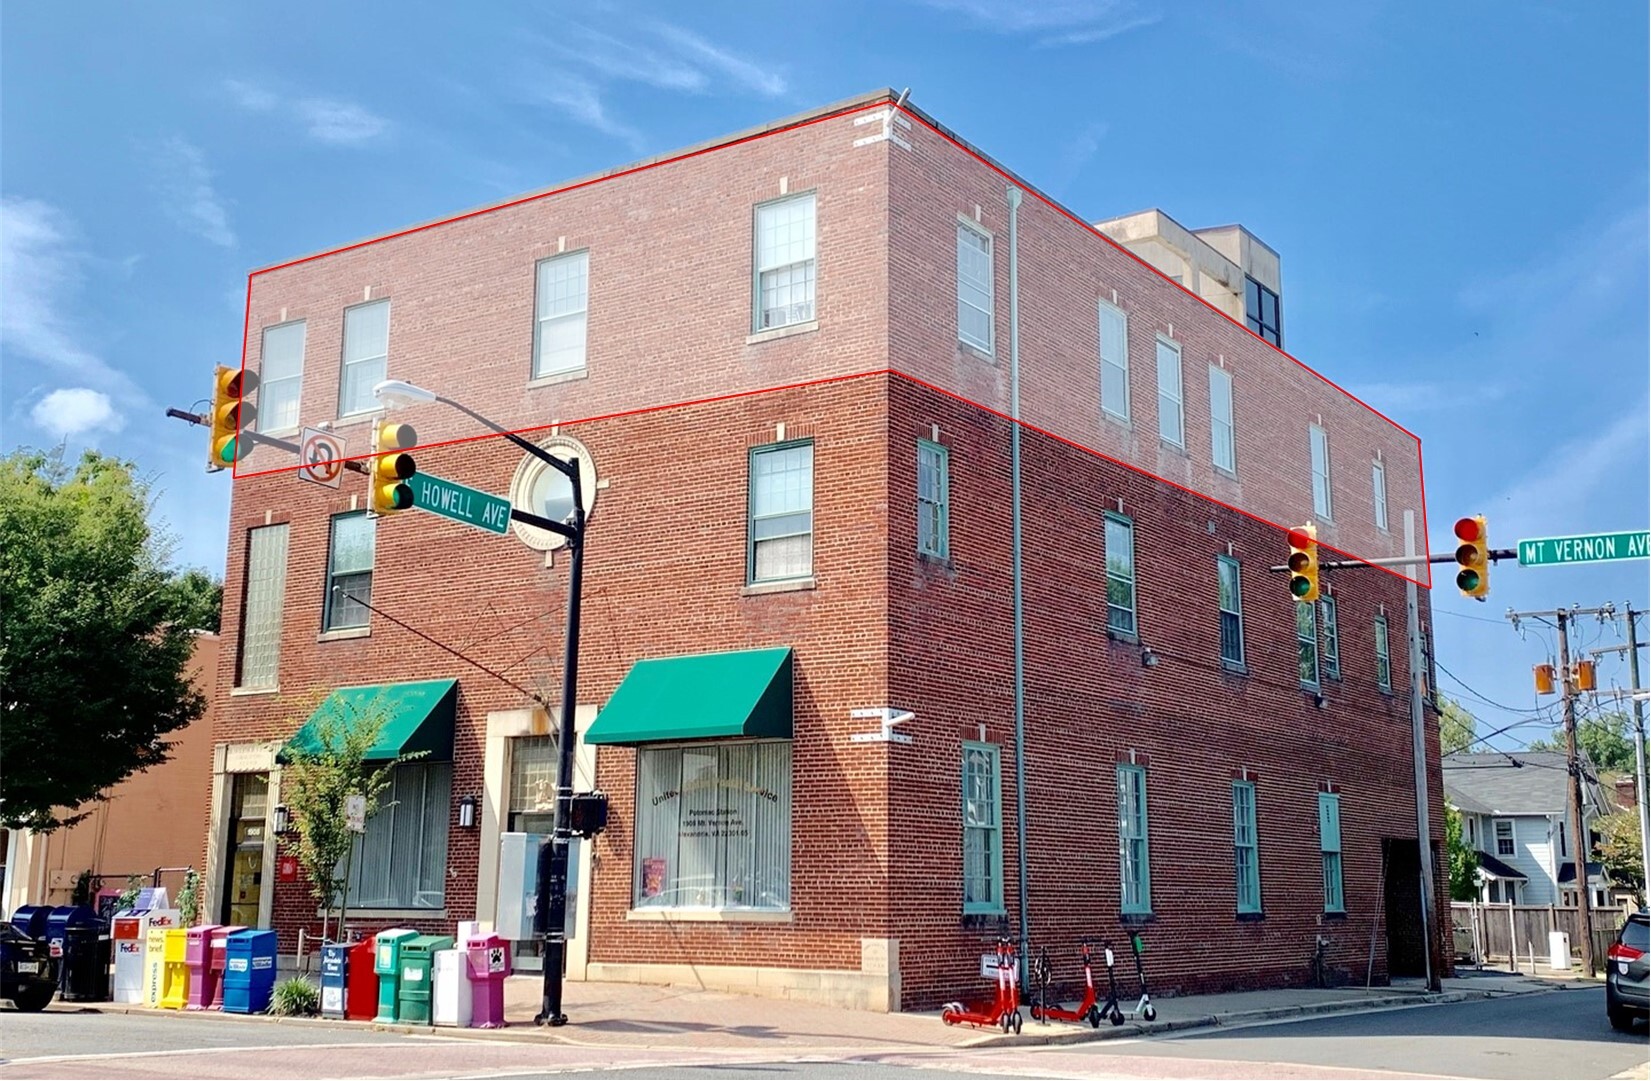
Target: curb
point(1241, 1017)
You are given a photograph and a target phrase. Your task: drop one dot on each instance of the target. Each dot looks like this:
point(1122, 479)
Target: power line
point(1459, 682)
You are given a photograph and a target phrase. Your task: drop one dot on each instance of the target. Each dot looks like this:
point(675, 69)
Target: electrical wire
point(1489, 702)
point(338, 590)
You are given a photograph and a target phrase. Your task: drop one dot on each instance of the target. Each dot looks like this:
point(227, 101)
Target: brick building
point(798, 349)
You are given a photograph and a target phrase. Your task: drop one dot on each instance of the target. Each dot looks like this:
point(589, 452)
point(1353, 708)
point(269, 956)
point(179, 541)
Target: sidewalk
point(639, 1016)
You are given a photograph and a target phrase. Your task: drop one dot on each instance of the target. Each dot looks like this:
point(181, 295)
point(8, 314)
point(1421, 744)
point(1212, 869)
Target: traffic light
point(230, 413)
point(1473, 556)
point(387, 487)
point(1304, 563)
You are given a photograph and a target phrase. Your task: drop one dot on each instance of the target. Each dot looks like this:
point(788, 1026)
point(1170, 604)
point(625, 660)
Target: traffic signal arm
point(1494, 555)
point(257, 439)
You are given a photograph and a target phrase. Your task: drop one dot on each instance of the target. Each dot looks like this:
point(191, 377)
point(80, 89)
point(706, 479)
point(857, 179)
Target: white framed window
point(1171, 421)
point(713, 826)
point(982, 828)
point(1332, 637)
point(974, 287)
point(1246, 857)
point(366, 355)
point(264, 600)
point(281, 377)
point(1384, 660)
point(401, 861)
point(560, 303)
point(1378, 490)
point(349, 571)
point(1307, 643)
point(1230, 600)
point(781, 528)
point(784, 279)
point(1318, 443)
point(933, 499)
point(1223, 453)
point(1114, 362)
point(1120, 576)
point(1505, 837)
point(1134, 854)
point(1330, 850)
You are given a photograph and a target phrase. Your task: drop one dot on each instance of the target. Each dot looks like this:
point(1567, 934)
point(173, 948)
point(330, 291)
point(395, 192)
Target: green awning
point(704, 696)
point(415, 716)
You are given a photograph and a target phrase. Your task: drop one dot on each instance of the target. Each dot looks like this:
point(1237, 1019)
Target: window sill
point(1135, 919)
point(783, 585)
point(936, 560)
point(344, 634)
point(572, 375)
point(1165, 444)
point(355, 419)
point(278, 433)
point(709, 915)
point(1234, 668)
point(1386, 692)
point(392, 914)
point(984, 920)
point(1335, 917)
point(1222, 471)
point(1130, 638)
point(252, 692)
point(1121, 421)
point(969, 349)
point(1250, 917)
point(761, 336)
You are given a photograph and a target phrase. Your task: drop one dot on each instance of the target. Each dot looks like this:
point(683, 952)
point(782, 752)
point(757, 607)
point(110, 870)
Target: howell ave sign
point(460, 503)
point(1584, 548)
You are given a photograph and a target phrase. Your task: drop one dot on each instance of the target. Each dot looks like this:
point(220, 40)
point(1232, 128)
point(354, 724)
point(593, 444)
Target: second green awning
point(411, 717)
point(704, 696)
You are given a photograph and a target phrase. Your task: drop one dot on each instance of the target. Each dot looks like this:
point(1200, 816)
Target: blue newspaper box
point(31, 920)
point(249, 971)
point(335, 968)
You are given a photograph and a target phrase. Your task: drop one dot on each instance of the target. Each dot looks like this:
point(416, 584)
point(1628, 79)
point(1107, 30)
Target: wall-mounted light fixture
point(282, 819)
point(1149, 659)
point(467, 812)
point(1320, 700)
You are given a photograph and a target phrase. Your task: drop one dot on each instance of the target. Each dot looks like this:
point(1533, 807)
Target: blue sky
point(1460, 200)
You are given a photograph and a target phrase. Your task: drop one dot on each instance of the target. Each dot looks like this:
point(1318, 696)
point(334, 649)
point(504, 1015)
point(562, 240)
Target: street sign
point(320, 458)
point(460, 503)
point(1584, 548)
point(355, 814)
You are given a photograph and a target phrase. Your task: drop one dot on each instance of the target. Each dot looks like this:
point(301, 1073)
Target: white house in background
point(1513, 810)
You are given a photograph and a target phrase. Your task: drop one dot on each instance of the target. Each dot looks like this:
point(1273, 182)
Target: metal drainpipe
point(1015, 573)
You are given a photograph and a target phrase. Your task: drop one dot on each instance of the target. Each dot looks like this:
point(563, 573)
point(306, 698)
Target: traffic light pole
point(1579, 832)
point(1418, 758)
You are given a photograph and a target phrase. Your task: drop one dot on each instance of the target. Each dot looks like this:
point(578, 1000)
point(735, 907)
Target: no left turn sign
point(321, 458)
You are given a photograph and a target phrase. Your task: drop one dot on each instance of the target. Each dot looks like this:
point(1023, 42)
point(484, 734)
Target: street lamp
point(552, 901)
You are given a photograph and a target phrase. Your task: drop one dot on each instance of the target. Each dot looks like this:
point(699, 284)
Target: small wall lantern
point(467, 812)
point(282, 820)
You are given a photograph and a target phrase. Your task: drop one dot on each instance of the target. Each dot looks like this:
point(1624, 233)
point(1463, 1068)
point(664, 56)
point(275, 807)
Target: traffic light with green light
point(1304, 563)
point(387, 487)
point(230, 413)
point(1473, 556)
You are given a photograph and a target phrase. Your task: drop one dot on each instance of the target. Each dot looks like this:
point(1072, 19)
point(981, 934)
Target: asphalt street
point(1561, 1034)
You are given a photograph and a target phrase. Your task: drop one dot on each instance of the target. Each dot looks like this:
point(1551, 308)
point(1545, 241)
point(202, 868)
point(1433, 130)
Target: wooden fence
point(1513, 933)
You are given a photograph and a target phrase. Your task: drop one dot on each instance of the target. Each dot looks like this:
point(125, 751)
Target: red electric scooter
point(1004, 1011)
point(1087, 1010)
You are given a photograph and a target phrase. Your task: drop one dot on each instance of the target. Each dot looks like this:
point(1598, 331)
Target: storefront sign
point(286, 869)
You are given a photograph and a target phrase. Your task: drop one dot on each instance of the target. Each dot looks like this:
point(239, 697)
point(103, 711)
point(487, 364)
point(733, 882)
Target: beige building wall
point(156, 818)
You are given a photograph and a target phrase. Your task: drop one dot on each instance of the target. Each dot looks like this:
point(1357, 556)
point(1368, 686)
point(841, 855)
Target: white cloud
point(184, 183)
point(326, 120)
point(73, 410)
point(1584, 483)
point(1058, 22)
point(743, 72)
point(582, 102)
point(39, 270)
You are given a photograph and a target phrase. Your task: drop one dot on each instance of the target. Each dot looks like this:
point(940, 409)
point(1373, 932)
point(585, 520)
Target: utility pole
point(1639, 737)
point(1418, 757)
point(1579, 850)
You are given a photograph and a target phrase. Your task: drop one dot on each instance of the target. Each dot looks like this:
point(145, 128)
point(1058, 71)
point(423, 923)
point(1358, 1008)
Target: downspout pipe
point(1013, 195)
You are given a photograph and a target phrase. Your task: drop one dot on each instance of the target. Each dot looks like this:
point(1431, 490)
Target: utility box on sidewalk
point(1559, 951)
point(487, 964)
point(249, 971)
point(175, 969)
point(450, 990)
point(335, 966)
point(387, 965)
point(418, 958)
point(216, 958)
point(197, 956)
point(361, 982)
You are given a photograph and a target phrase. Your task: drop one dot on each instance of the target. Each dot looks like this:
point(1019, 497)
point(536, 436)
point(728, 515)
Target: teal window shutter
point(1330, 849)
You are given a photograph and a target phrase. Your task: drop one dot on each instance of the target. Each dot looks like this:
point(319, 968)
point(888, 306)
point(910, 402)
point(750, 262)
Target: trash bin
point(450, 990)
point(249, 971)
point(387, 964)
point(487, 963)
point(1559, 951)
point(175, 969)
point(215, 965)
point(418, 958)
point(198, 956)
point(335, 964)
point(86, 958)
point(161, 920)
point(361, 982)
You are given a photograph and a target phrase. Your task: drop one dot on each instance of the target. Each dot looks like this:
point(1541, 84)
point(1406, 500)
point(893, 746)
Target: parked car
point(28, 975)
point(1626, 963)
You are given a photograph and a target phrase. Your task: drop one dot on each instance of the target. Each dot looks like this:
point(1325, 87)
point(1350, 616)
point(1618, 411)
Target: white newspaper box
point(450, 990)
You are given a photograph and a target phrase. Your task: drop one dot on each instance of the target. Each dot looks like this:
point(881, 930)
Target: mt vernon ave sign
point(1584, 548)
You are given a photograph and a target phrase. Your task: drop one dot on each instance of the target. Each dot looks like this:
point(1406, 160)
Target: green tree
point(319, 776)
point(1458, 728)
point(92, 657)
point(194, 600)
point(1605, 739)
point(1464, 861)
point(1619, 850)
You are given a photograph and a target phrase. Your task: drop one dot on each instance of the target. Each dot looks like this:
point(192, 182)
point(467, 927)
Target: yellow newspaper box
point(175, 969)
point(161, 920)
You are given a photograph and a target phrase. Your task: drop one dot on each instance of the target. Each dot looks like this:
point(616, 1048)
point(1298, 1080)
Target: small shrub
point(295, 997)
